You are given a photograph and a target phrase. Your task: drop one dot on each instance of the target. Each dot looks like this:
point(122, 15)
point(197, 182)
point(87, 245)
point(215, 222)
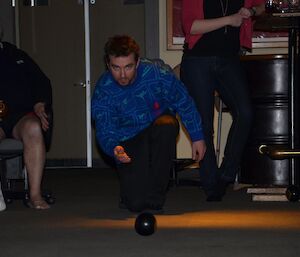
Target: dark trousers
point(144, 181)
point(203, 76)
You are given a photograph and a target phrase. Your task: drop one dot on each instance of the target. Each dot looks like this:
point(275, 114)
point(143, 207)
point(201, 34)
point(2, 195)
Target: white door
point(56, 35)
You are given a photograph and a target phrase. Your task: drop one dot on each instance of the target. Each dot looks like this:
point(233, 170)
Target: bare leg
point(29, 131)
point(2, 202)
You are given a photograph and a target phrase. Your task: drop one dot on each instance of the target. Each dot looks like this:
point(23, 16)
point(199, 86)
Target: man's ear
point(107, 61)
point(138, 62)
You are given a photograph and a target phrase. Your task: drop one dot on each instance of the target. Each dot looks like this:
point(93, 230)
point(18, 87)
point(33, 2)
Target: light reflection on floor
point(205, 219)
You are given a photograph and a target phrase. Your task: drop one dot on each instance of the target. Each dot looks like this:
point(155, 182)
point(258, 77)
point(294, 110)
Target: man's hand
point(39, 110)
point(120, 154)
point(198, 150)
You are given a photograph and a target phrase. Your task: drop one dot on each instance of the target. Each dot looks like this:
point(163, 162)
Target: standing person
point(26, 91)
point(134, 106)
point(215, 30)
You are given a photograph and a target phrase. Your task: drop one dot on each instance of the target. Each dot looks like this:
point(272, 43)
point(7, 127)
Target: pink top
point(193, 10)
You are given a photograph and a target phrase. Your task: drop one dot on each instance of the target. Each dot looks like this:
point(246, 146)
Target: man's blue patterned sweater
point(121, 112)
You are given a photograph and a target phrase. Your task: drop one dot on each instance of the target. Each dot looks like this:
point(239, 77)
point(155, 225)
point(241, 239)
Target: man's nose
point(122, 73)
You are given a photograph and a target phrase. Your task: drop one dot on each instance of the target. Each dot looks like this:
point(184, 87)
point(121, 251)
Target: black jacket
point(22, 83)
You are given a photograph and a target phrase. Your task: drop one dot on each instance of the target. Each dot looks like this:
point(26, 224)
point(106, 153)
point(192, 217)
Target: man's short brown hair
point(121, 45)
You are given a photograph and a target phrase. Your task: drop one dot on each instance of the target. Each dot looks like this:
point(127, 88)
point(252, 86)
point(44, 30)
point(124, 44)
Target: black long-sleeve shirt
point(22, 82)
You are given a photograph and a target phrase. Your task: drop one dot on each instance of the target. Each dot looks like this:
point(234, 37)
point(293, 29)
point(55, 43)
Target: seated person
point(26, 91)
point(134, 106)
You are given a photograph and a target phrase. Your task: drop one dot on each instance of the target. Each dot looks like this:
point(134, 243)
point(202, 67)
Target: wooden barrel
point(268, 81)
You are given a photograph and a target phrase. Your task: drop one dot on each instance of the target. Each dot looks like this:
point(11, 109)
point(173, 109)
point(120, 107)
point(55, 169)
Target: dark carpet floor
point(86, 221)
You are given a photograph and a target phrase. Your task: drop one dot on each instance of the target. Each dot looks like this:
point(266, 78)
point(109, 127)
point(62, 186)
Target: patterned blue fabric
point(121, 112)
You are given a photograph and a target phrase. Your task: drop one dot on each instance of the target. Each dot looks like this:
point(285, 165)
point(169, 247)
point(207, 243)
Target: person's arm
point(121, 155)
point(198, 150)
point(40, 88)
point(253, 11)
point(103, 115)
point(183, 104)
point(195, 26)
point(194, 23)
point(39, 110)
point(208, 25)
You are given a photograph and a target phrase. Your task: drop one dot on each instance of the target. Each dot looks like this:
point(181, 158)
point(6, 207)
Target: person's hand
point(245, 13)
point(120, 154)
point(198, 150)
point(39, 110)
point(235, 20)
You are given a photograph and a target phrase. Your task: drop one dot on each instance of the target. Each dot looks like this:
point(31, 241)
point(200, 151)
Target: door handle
point(278, 153)
point(79, 84)
point(91, 2)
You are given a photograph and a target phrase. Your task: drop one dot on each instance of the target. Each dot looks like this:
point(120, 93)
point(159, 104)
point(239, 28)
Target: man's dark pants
point(144, 181)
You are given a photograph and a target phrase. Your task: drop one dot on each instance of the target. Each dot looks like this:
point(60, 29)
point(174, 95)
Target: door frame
point(87, 40)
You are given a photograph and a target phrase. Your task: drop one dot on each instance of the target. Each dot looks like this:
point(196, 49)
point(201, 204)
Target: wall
point(7, 20)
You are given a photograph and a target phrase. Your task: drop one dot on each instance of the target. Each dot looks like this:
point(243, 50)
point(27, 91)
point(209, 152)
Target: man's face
point(123, 68)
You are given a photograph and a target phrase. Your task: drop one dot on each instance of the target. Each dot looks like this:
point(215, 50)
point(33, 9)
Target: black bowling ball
point(292, 193)
point(145, 224)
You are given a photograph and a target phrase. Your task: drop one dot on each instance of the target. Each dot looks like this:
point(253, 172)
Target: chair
point(13, 175)
point(181, 164)
point(221, 108)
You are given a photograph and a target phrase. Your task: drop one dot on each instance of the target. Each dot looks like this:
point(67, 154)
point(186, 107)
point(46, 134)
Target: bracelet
point(252, 11)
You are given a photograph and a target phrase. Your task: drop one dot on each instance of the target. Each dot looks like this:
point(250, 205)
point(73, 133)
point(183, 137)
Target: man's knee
point(167, 121)
point(136, 204)
point(33, 127)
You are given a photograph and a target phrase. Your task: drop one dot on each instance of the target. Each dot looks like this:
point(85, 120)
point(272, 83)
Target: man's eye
point(129, 67)
point(115, 68)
